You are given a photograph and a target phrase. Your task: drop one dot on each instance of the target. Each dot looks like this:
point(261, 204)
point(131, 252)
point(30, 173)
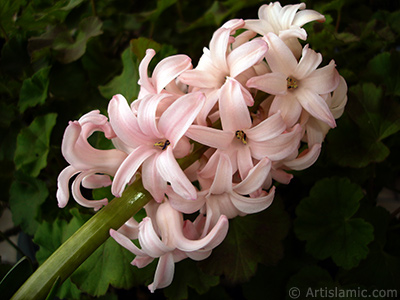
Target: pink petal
point(316, 106)
point(129, 167)
point(271, 83)
point(306, 16)
point(253, 205)
point(279, 57)
point(168, 69)
point(152, 180)
point(279, 147)
point(144, 80)
point(183, 205)
point(233, 109)
point(175, 121)
point(288, 106)
point(164, 272)
point(124, 122)
point(223, 176)
point(267, 129)
point(288, 14)
point(244, 160)
point(150, 241)
point(76, 193)
point(255, 178)
point(63, 185)
point(170, 171)
point(308, 63)
point(306, 159)
point(96, 181)
point(246, 55)
point(323, 80)
point(126, 243)
point(209, 136)
point(200, 79)
point(146, 115)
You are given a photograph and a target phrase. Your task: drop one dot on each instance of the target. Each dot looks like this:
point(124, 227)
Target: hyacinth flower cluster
point(258, 102)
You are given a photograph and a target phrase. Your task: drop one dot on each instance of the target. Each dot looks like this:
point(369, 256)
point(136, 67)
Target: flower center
point(291, 83)
point(240, 135)
point(162, 144)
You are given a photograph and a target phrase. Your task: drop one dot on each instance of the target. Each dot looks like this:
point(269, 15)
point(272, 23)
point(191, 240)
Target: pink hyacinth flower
point(297, 85)
point(154, 144)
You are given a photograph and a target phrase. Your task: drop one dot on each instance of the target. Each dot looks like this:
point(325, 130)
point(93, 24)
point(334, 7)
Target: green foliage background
point(61, 59)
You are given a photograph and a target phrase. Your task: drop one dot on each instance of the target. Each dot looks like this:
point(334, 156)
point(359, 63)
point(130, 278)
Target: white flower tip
point(150, 52)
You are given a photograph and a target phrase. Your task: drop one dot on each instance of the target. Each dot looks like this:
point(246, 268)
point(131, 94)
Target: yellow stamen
point(162, 144)
point(240, 135)
point(291, 83)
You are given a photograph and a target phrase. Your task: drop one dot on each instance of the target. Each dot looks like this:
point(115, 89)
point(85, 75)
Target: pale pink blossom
point(297, 85)
point(220, 62)
point(155, 144)
point(168, 237)
point(239, 139)
point(94, 166)
point(316, 130)
point(285, 22)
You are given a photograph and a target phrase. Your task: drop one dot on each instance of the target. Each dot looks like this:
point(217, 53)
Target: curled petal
point(170, 171)
point(176, 120)
point(308, 63)
point(250, 205)
point(63, 185)
point(129, 167)
point(144, 81)
point(268, 129)
point(256, 177)
point(150, 241)
point(306, 16)
point(232, 105)
point(96, 181)
point(211, 137)
point(126, 243)
point(271, 83)
point(164, 272)
point(306, 158)
point(246, 55)
point(124, 122)
point(279, 57)
point(223, 176)
point(76, 192)
point(168, 69)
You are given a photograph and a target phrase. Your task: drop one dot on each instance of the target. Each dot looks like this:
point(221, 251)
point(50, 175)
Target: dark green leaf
point(325, 221)
point(383, 67)
point(15, 277)
point(251, 240)
point(33, 145)
point(26, 196)
point(34, 89)
point(187, 274)
point(126, 82)
point(109, 265)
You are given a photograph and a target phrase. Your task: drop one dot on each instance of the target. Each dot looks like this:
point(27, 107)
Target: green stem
point(70, 255)
point(63, 262)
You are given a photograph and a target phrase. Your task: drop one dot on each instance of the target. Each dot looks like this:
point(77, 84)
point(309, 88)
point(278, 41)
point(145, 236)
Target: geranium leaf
point(325, 221)
point(125, 83)
point(251, 240)
point(34, 89)
point(26, 196)
point(187, 274)
point(110, 265)
point(33, 145)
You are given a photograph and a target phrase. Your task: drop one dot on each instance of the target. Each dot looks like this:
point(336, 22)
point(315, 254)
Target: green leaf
point(126, 83)
point(26, 196)
point(140, 45)
point(33, 145)
point(110, 265)
point(325, 221)
point(187, 274)
point(383, 68)
point(49, 236)
point(34, 89)
point(15, 277)
point(251, 240)
point(69, 52)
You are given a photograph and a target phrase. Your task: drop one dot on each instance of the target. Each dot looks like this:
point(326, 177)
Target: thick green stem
point(66, 259)
point(70, 255)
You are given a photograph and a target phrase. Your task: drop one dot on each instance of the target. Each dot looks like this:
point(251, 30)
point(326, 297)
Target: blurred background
point(61, 59)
